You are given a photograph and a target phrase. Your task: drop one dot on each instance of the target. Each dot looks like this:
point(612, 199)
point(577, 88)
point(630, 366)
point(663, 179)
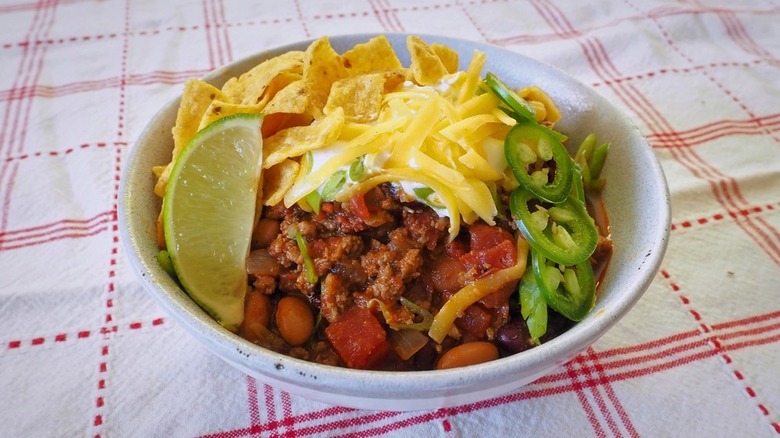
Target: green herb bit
point(597, 160)
point(357, 170)
point(314, 199)
point(533, 306)
point(425, 193)
point(308, 263)
point(334, 184)
point(427, 317)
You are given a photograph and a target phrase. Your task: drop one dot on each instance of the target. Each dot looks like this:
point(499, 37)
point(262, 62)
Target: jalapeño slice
point(563, 233)
point(533, 154)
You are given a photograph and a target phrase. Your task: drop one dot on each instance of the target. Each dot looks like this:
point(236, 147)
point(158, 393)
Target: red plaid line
point(738, 33)
point(716, 343)
point(252, 401)
point(660, 12)
point(715, 130)
point(726, 189)
point(53, 91)
point(301, 20)
point(64, 152)
point(751, 210)
point(14, 125)
point(63, 229)
point(61, 337)
point(614, 365)
point(386, 16)
point(678, 70)
point(111, 286)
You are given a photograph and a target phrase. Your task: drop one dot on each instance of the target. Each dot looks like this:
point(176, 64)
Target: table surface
point(84, 351)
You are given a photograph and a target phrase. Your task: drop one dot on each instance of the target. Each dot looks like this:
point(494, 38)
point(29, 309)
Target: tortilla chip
point(448, 56)
point(251, 86)
point(394, 78)
point(294, 99)
point(278, 179)
point(296, 141)
point(219, 109)
point(374, 55)
point(360, 97)
point(195, 100)
point(273, 123)
point(322, 66)
point(427, 68)
point(277, 84)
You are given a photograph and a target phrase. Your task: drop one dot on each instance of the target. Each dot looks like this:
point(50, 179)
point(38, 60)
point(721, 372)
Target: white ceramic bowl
point(636, 198)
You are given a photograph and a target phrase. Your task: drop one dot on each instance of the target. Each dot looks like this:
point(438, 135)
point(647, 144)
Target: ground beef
point(334, 297)
point(371, 259)
point(265, 284)
point(425, 226)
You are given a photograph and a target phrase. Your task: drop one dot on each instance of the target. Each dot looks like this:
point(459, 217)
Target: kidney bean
point(470, 353)
point(513, 337)
point(295, 320)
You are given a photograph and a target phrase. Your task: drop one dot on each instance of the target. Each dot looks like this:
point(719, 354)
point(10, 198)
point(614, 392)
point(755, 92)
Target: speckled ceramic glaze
point(637, 203)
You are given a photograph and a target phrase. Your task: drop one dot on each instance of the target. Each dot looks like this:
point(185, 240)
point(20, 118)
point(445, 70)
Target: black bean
point(424, 359)
point(513, 337)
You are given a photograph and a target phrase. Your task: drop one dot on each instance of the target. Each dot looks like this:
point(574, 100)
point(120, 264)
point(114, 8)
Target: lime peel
point(209, 211)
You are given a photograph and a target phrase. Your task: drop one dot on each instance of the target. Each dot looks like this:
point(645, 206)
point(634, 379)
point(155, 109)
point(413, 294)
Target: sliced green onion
point(533, 306)
point(597, 160)
point(424, 193)
point(357, 170)
point(586, 148)
point(314, 199)
point(427, 317)
point(334, 184)
point(308, 263)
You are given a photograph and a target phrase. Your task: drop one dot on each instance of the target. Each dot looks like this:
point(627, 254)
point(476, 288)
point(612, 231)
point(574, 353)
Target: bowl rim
point(390, 384)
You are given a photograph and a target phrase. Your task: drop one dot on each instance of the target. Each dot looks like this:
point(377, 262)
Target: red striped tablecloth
point(84, 351)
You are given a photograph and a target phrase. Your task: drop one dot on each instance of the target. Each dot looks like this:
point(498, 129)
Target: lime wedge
point(209, 211)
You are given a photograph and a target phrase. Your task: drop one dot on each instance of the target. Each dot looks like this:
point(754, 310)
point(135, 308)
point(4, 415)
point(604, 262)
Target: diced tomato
point(484, 236)
point(500, 297)
point(455, 249)
point(358, 338)
point(492, 248)
point(358, 206)
point(475, 320)
point(500, 256)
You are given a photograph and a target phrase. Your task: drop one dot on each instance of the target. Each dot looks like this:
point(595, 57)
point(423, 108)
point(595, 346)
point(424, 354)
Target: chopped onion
point(407, 342)
point(260, 263)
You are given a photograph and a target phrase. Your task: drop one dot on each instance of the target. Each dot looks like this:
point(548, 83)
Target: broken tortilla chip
point(296, 141)
point(219, 109)
point(250, 87)
point(427, 68)
point(322, 66)
point(293, 99)
point(195, 100)
point(447, 55)
point(278, 179)
point(373, 55)
point(360, 97)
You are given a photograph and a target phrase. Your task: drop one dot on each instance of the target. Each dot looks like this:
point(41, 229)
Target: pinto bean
point(295, 320)
point(470, 353)
point(265, 232)
point(257, 310)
